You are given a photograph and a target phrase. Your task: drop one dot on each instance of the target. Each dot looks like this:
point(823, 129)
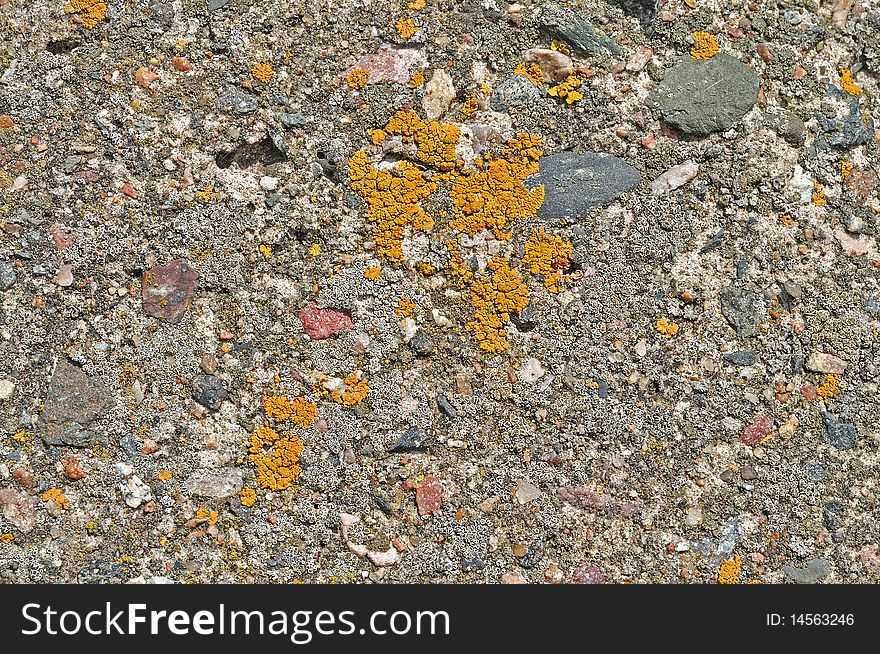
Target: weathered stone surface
point(814, 571)
point(825, 363)
point(73, 401)
point(575, 183)
point(841, 435)
point(412, 439)
point(209, 391)
point(562, 23)
point(222, 482)
point(391, 64)
point(233, 99)
point(18, 508)
point(742, 309)
point(7, 274)
point(323, 323)
point(167, 290)
point(704, 96)
point(515, 91)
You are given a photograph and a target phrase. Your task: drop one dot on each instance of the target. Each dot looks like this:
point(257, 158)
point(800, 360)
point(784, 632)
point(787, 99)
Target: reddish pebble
point(809, 392)
point(129, 191)
point(323, 323)
point(181, 64)
point(61, 238)
point(167, 290)
point(428, 496)
point(757, 430)
point(74, 470)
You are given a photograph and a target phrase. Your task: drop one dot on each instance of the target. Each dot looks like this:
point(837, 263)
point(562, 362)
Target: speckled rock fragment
point(222, 482)
point(564, 24)
point(73, 401)
point(429, 496)
point(167, 290)
point(704, 96)
point(576, 183)
point(209, 391)
point(18, 508)
point(391, 64)
point(814, 571)
point(742, 309)
point(756, 430)
point(515, 91)
point(841, 435)
point(587, 574)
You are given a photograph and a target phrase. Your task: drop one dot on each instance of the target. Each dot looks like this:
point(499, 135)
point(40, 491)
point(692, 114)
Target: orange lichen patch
point(818, 196)
point(405, 308)
point(392, 198)
point(163, 475)
point(829, 388)
point(547, 255)
point(417, 80)
point(6, 538)
point(315, 250)
point(705, 46)
point(266, 250)
point(730, 570)
point(416, 5)
point(356, 389)
point(211, 517)
point(275, 458)
point(87, 13)
point(665, 327)
point(426, 267)
point(494, 299)
point(303, 412)
point(532, 72)
point(568, 89)
point(847, 83)
point(56, 496)
point(357, 78)
point(377, 136)
point(262, 71)
point(435, 142)
point(5, 122)
point(247, 497)
point(457, 266)
point(846, 168)
point(493, 194)
point(406, 28)
point(372, 273)
point(277, 407)
point(786, 220)
point(470, 106)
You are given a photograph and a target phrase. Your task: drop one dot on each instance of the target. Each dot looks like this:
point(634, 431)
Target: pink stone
point(391, 64)
point(428, 496)
point(61, 237)
point(809, 392)
point(587, 574)
point(167, 290)
point(18, 508)
point(851, 245)
point(513, 577)
point(323, 323)
point(757, 430)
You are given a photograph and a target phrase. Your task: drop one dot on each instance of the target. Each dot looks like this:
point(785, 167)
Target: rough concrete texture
point(246, 336)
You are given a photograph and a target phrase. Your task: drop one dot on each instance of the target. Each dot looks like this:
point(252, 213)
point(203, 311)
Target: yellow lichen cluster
point(56, 495)
point(494, 299)
point(828, 388)
point(211, 517)
point(357, 78)
point(275, 458)
point(315, 250)
point(818, 196)
point(372, 273)
point(87, 13)
point(262, 71)
point(406, 28)
point(492, 194)
point(469, 107)
point(417, 80)
point(847, 83)
point(356, 389)
point(304, 412)
point(666, 327)
point(846, 168)
point(568, 89)
point(392, 198)
point(435, 142)
point(6, 538)
point(405, 308)
point(730, 570)
point(247, 497)
point(705, 46)
point(531, 72)
point(547, 255)
point(277, 407)
point(163, 475)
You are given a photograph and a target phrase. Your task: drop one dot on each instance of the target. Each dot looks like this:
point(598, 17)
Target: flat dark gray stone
point(743, 310)
point(704, 96)
point(576, 183)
